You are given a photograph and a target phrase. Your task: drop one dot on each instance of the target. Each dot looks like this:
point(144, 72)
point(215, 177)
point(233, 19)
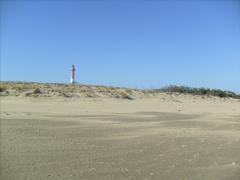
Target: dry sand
point(164, 137)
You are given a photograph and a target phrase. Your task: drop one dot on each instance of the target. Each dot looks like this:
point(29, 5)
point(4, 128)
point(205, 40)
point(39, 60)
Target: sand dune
point(31, 89)
point(154, 136)
point(65, 90)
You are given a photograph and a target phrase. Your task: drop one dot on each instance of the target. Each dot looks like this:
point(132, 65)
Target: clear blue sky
point(122, 43)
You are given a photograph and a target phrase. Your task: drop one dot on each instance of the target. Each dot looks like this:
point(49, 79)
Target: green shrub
point(198, 91)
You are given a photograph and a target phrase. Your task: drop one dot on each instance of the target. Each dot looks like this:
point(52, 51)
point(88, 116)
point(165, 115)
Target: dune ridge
point(54, 90)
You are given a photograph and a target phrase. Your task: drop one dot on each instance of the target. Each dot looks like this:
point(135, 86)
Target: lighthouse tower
point(72, 74)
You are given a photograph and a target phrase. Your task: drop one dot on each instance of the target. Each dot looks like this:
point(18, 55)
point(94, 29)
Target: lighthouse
point(72, 74)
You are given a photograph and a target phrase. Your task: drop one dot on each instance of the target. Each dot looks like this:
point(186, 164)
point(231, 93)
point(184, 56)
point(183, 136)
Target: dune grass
point(68, 90)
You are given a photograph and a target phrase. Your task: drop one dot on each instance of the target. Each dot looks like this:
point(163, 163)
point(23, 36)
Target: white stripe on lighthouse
point(72, 74)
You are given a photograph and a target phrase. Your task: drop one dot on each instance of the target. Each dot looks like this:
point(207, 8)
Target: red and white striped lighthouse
point(72, 74)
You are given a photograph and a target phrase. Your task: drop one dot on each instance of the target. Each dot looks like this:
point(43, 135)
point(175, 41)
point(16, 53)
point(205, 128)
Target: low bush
point(198, 91)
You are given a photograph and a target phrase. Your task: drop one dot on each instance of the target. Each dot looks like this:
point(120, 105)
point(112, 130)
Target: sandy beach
point(119, 90)
point(169, 136)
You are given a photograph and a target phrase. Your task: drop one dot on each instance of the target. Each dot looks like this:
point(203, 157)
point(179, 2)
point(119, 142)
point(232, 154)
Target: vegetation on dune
point(32, 89)
point(198, 91)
